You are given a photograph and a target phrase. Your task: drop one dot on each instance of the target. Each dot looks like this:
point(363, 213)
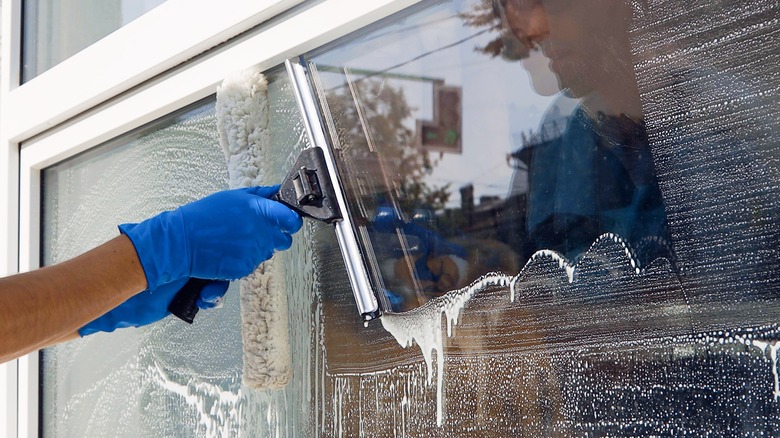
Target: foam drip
point(771, 347)
point(423, 325)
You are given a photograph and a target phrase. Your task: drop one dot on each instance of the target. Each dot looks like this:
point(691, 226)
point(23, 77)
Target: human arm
point(49, 305)
point(224, 236)
point(150, 306)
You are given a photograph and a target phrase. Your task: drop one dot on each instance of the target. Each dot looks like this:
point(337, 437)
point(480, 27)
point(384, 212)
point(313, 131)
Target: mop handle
point(184, 305)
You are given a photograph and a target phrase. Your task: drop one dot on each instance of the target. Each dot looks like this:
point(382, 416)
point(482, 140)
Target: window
point(568, 209)
point(153, 380)
point(55, 31)
point(105, 382)
point(104, 105)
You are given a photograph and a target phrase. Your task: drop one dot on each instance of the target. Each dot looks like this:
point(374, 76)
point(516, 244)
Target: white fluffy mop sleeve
point(243, 124)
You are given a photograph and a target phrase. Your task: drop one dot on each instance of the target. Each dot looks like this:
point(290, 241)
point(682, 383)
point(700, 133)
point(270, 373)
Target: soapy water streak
point(218, 411)
point(423, 324)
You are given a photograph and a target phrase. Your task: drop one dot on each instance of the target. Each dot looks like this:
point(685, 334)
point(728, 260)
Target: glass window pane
point(570, 208)
point(168, 379)
point(56, 30)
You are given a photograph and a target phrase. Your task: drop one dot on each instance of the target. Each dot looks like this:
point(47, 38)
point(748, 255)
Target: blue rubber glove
point(224, 236)
point(439, 264)
point(151, 306)
point(429, 243)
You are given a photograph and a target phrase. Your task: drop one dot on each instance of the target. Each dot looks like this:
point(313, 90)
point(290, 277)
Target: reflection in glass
point(569, 208)
point(57, 30)
point(438, 206)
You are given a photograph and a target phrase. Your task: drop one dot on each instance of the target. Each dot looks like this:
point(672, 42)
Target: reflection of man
point(598, 176)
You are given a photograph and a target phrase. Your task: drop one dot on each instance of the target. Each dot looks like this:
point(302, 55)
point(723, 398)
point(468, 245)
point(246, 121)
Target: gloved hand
point(224, 236)
point(151, 306)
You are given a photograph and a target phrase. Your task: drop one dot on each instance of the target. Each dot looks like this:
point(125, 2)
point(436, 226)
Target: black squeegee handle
point(184, 304)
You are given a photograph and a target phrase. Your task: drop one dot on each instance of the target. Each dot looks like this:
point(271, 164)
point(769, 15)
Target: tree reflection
point(391, 166)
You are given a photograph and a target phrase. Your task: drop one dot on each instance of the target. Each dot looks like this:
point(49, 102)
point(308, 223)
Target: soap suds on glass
point(423, 325)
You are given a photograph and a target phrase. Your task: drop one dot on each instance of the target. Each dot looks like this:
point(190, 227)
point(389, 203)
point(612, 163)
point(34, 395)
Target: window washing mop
point(310, 188)
point(244, 135)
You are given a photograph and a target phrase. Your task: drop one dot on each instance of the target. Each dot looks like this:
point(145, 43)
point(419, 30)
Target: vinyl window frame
point(85, 101)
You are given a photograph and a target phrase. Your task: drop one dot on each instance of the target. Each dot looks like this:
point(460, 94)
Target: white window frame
point(145, 86)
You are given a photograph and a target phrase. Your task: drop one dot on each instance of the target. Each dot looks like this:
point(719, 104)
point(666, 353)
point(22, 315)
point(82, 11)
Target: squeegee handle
point(184, 305)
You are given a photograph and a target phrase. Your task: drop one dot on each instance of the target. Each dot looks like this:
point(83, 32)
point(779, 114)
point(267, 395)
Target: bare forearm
point(49, 305)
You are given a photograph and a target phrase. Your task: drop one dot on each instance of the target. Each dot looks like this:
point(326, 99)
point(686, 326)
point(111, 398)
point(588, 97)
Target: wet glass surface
point(104, 383)
point(570, 209)
point(171, 379)
point(595, 291)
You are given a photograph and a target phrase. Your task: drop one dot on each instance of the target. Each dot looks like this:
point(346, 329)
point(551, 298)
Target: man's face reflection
point(583, 41)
